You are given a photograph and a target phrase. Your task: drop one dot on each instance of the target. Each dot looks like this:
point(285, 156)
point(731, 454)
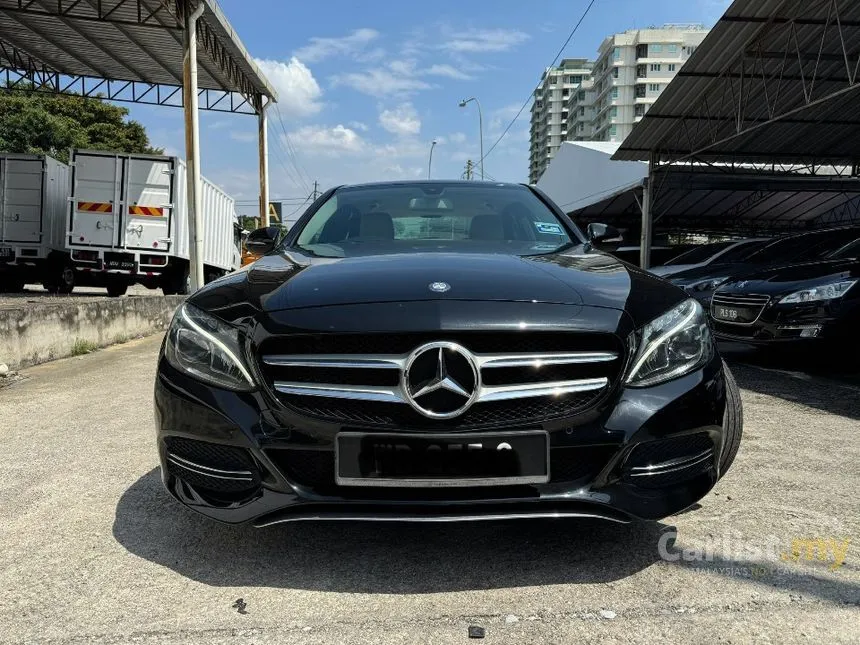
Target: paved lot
point(35, 295)
point(95, 552)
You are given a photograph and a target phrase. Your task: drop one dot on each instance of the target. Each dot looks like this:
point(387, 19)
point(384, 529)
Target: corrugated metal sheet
point(126, 40)
point(774, 80)
point(697, 200)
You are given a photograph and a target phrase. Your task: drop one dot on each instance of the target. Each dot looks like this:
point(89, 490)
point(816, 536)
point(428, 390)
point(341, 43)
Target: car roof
point(436, 182)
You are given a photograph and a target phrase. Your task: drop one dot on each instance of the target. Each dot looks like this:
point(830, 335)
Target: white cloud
point(243, 137)
point(483, 40)
point(448, 70)
point(402, 120)
point(327, 141)
point(383, 81)
point(322, 48)
point(298, 91)
point(457, 137)
point(358, 125)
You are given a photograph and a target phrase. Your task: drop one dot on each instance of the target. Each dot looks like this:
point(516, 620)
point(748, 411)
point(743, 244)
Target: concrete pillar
point(192, 148)
point(263, 138)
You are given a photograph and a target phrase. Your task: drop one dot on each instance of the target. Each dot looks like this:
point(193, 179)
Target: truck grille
point(490, 379)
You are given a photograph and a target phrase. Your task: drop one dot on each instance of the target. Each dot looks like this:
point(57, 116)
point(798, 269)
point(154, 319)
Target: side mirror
point(599, 232)
point(262, 240)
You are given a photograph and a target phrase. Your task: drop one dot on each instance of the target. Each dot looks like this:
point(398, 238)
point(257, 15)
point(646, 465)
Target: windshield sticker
point(548, 227)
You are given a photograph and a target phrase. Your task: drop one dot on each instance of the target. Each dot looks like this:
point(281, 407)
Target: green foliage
point(81, 347)
point(42, 123)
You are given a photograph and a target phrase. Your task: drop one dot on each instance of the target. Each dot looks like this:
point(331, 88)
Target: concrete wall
point(38, 332)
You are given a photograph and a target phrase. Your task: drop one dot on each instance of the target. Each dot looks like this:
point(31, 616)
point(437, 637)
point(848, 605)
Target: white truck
point(34, 199)
point(128, 223)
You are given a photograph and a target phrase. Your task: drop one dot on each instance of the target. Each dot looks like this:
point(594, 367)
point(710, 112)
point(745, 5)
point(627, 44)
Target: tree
point(42, 123)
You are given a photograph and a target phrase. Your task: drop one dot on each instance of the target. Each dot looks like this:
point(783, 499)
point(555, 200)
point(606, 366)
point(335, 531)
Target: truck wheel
point(11, 282)
point(175, 281)
point(61, 279)
point(116, 289)
point(181, 281)
point(733, 422)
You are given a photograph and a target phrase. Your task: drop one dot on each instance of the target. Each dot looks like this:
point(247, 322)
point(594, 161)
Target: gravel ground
point(94, 551)
point(34, 295)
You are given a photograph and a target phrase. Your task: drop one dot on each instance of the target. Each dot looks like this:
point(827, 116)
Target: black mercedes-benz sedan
point(441, 351)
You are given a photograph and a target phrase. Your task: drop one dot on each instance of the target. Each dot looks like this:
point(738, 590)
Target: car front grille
point(359, 379)
point(750, 306)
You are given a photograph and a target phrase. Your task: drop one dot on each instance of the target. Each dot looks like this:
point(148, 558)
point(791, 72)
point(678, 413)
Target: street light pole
point(430, 163)
point(480, 127)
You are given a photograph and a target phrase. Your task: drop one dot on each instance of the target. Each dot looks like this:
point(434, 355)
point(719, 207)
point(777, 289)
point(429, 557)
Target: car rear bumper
point(646, 454)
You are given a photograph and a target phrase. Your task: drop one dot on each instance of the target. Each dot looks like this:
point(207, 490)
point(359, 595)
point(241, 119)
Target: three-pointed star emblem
point(442, 380)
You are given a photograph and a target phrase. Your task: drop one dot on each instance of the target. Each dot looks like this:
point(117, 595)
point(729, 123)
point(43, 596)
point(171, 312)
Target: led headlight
point(823, 292)
point(207, 349)
point(672, 345)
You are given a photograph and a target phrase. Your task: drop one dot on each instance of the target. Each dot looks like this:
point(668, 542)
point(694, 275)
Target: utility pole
point(468, 169)
point(316, 192)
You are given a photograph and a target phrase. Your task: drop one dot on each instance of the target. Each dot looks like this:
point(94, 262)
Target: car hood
point(794, 277)
point(295, 281)
point(709, 271)
point(665, 271)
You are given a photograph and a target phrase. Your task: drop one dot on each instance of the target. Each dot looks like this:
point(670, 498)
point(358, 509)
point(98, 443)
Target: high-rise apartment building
point(631, 71)
point(549, 113)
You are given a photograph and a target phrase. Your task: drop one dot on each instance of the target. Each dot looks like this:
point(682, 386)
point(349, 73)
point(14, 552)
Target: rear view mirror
point(601, 232)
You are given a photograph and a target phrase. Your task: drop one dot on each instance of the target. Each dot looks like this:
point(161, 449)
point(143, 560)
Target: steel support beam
point(192, 149)
point(263, 138)
point(647, 205)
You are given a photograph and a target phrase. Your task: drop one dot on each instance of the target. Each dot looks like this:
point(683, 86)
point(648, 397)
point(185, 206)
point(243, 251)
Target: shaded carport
point(181, 53)
point(769, 102)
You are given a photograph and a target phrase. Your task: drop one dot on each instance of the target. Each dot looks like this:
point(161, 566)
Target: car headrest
point(376, 225)
point(487, 227)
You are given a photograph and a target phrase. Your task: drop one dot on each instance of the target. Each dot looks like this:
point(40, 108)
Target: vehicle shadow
point(800, 380)
point(367, 557)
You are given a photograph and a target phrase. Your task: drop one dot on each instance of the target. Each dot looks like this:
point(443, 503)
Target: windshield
point(797, 248)
point(699, 253)
point(459, 217)
point(742, 251)
point(850, 250)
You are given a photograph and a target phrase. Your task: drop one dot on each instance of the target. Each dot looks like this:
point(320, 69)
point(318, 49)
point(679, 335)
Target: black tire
point(116, 289)
point(176, 281)
point(61, 278)
point(11, 282)
point(733, 422)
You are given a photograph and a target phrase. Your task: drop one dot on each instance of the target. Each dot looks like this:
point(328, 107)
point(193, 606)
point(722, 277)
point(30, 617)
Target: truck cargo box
point(128, 215)
point(34, 193)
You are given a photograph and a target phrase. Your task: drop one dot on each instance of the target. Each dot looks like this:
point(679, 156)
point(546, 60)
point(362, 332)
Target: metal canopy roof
point(708, 201)
point(774, 81)
point(126, 50)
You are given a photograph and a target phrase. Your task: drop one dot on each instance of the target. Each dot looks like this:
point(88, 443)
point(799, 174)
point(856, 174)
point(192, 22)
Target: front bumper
point(608, 462)
point(794, 324)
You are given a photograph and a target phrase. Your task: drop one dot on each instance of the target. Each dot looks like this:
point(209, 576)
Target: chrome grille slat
point(345, 361)
point(393, 361)
point(505, 392)
point(739, 299)
point(339, 391)
point(485, 393)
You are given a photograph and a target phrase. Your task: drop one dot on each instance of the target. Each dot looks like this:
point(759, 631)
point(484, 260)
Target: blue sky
point(366, 86)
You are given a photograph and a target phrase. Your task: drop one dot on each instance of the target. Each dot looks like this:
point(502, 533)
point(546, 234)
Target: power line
point(291, 151)
point(554, 60)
